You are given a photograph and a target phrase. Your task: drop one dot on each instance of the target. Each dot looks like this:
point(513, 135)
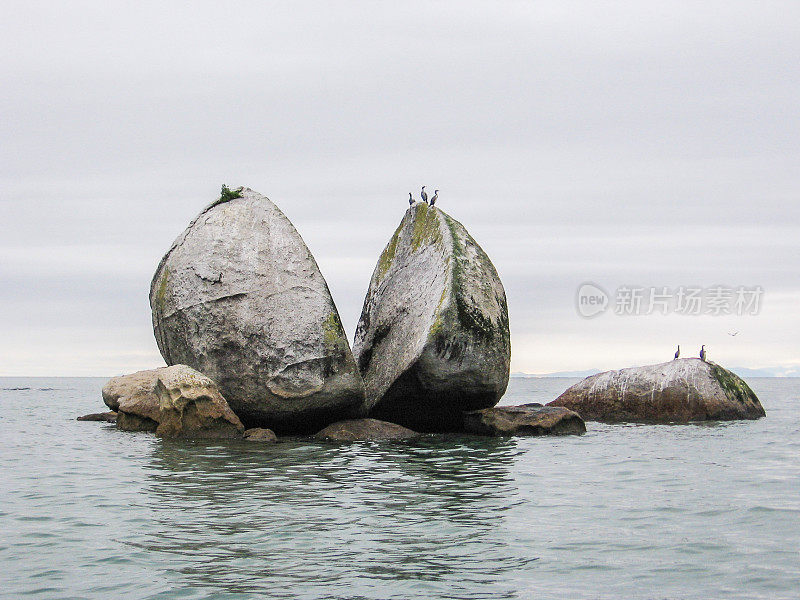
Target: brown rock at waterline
point(365, 430)
point(175, 401)
point(105, 417)
point(526, 419)
point(260, 434)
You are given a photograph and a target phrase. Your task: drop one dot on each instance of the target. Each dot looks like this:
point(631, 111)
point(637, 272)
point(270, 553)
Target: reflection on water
point(625, 511)
point(347, 518)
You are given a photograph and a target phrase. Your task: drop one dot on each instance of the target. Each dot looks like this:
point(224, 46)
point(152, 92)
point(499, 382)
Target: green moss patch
point(162, 290)
point(470, 316)
point(332, 331)
point(387, 256)
point(426, 227)
point(735, 387)
point(226, 195)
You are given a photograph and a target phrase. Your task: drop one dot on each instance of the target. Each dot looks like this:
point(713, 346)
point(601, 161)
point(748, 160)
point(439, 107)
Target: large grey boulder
point(239, 297)
point(433, 338)
point(679, 391)
point(174, 401)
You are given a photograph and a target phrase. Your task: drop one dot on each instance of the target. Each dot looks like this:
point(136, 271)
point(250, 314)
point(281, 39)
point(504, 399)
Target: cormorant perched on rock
point(703, 353)
point(410, 199)
point(678, 352)
point(435, 196)
point(424, 195)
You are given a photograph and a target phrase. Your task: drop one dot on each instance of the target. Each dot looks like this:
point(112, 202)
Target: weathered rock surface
point(141, 383)
point(135, 400)
point(527, 419)
point(239, 297)
point(259, 434)
point(365, 429)
point(678, 391)
point(192, 406)
point(174, 401)
point(433, 338)
point(105, 417)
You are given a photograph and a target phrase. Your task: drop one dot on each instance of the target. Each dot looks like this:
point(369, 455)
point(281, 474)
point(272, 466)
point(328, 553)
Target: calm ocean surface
point(691, 511)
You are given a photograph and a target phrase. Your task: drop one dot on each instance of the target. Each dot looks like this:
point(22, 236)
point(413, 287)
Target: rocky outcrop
point(192, 406)
point(173, 401)
point(433, 338)
point(678, 391)
point(135, 400)
point(364, 430)
point(239, 297)
point(139, 384)
point(103, 417)
point(259, 434)
point(527, 419)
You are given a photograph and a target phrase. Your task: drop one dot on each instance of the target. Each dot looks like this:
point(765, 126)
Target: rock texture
point(239, 297)
point(527, 419)
point(140, 384)
point(678, 391)
point(192, 406)
point(259, 434)
point(135, 400)
point(104, 417)
point(364, 429)
point(433, 338)
point(173, 401)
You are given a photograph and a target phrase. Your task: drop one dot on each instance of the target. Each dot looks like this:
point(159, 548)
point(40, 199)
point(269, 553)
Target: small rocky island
point(679, 391)
point(252, 338)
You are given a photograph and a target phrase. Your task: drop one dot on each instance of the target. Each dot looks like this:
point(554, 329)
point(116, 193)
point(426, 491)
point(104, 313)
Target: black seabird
point(703, 353)
point(678, 352)
point(410, 199)
point(435, 196)
point(424, 195)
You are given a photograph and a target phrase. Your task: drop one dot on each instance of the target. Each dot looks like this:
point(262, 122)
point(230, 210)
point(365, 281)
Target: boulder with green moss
point(678, 391)
point(433, 338)
point(240, 298)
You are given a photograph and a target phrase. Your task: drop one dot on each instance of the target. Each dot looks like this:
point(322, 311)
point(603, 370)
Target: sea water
point(624, 511)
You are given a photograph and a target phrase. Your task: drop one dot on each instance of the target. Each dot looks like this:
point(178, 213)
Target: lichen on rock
point(433, 338)
point(678, 391)
point(240, 298)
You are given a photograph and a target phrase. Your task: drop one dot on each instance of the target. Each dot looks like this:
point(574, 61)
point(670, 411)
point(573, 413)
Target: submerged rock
point(678, 391)
point(104, 417)
point(173, 401)
point(365, 430)
point(433, 338)
point(239, 297)
point(259, 434)
point(527, 419)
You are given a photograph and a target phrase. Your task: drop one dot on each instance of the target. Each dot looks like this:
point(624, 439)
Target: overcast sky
point(633, 143)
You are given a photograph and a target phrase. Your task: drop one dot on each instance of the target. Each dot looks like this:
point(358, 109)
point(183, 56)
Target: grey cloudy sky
point(624, 143)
